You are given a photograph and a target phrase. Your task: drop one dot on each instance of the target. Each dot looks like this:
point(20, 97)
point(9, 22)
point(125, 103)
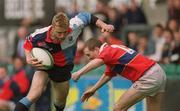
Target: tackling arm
point(90, 66)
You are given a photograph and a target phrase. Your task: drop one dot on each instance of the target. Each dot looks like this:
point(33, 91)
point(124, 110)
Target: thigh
point(155, 103)
point(5, 105)
point(60, 91)
point(38, 85)
point(129, 98)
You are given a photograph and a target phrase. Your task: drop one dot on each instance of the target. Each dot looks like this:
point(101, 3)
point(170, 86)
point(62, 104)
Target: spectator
point(172, 25)
point(135, 14)
point(123, 9)
point(132, 40)
point(175, 58)
point(157, 41)
point(13, 88)
point(174, 10)
point(143, 46)
point(5, 105)
point(168, 46)
point(19, 41)
point(115, 19)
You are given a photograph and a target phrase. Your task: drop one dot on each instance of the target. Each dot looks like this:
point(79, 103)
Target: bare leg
point(155, 103)
point(4, 105)
point(60, 92)
point(128, 99)
point(39, 82)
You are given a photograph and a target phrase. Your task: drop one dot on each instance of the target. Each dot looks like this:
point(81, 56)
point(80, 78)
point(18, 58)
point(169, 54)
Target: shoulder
point(81, 19)
point(40, 31)
point(39, 34)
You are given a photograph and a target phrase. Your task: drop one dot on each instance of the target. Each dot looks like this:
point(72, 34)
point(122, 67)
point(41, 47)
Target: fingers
point(35, 63)
point(84, 98)
point(75, 77)
point(108, 28)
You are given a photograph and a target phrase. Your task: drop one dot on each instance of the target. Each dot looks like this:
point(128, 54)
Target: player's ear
point(96, 49)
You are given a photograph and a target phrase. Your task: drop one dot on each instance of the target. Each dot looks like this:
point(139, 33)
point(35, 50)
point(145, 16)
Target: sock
point(59, 108)
point(20, 107)
point(23, 105)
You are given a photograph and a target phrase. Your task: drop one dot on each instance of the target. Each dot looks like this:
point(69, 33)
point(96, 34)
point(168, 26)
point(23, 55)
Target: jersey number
point(128, 50)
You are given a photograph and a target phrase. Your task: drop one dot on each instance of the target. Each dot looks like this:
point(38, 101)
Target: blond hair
point(60, 20)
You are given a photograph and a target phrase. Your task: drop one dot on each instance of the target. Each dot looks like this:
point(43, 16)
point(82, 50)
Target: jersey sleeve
point(108, 72)
point(106, 55)
point(28, 44)
point(80, 20)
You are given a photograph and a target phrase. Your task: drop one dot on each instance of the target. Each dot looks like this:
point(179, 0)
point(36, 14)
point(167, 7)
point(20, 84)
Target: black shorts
point(60, 74)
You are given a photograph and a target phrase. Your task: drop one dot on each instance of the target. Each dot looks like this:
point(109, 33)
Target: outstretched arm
point(85, 18)
point(104, 79)
point(90, 66)
point(104, 27)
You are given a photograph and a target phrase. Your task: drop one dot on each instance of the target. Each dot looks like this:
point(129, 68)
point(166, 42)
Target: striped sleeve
point(28, 44)
point(80, 20)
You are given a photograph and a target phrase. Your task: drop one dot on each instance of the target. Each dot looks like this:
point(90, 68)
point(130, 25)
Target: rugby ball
point(44, 56)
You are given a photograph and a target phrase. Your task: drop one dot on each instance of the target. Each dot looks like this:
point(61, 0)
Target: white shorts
point(152, 82)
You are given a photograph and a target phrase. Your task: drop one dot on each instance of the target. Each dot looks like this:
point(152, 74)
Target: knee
point(60, 102)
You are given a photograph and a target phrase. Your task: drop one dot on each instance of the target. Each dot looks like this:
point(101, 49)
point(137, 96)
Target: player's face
point(91, 54)
point(59, 33)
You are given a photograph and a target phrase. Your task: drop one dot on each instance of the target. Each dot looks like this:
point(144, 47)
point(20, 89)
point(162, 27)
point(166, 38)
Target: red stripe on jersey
point(59, 58)
point(28, 45)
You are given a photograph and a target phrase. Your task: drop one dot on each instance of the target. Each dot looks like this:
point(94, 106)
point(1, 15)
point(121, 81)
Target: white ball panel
point(42, 55)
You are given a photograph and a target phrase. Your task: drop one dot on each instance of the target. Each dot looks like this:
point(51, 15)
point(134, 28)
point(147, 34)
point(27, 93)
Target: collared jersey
point(63, 52)
point(122, 60)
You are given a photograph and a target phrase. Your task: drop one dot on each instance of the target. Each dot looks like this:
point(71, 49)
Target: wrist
point(93, 89)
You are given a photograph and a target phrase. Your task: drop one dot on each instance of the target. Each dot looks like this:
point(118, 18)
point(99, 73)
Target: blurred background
point(151, 27)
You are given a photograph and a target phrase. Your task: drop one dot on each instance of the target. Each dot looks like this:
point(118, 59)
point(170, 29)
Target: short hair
point(159, 26)
point(60, 20)
point(4, 66)
point(92, 43)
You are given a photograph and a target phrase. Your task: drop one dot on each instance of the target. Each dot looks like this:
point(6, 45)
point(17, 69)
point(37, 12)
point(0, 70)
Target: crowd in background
point(160, 42)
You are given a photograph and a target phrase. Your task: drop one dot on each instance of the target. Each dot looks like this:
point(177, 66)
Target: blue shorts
point(60, 74)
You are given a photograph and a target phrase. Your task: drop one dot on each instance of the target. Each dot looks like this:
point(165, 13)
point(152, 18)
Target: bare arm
point(103, 80)
point(104, 27)
point(28, 56)
point(90, 66)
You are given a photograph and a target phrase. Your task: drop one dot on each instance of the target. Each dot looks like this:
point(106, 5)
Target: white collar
point(102, 47)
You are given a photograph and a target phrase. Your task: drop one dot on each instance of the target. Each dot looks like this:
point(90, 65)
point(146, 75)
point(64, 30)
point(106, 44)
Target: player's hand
point(107, 28)
point(75, 76)
point(87, 95)
point(35, 63)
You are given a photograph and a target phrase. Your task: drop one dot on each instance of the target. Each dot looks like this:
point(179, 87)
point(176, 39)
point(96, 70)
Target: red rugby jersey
point(122, 60)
